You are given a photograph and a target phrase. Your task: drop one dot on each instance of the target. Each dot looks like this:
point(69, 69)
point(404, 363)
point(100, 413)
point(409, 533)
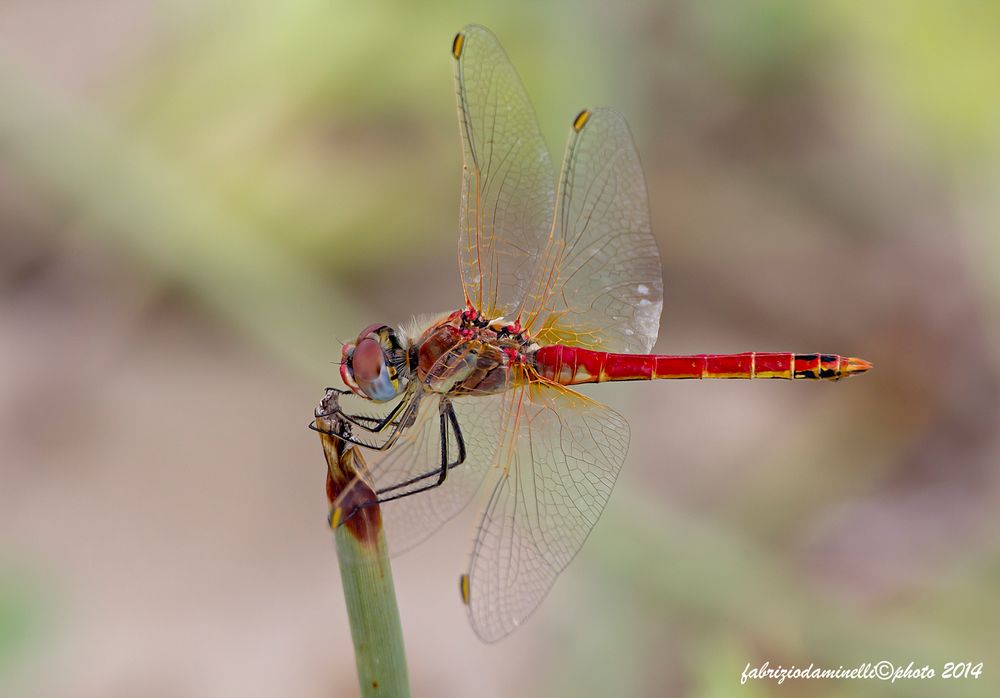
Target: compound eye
point(370, 371)
point(368, 361)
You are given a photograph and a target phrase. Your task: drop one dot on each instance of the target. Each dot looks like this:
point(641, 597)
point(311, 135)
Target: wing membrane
point(599, 284)
point(556, 470)
point(508, 178)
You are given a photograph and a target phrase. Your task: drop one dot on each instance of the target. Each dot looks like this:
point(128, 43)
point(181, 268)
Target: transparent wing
point(599, 283)
point(556, 469)
point(411, 519)
point(508, 182)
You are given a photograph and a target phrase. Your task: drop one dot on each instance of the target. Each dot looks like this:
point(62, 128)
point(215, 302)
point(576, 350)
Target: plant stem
point(364, 570)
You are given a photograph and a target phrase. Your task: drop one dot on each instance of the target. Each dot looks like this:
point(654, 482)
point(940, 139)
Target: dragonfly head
point(375, 366)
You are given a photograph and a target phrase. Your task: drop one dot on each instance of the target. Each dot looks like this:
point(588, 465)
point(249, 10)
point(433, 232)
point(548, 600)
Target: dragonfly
point(563, 287)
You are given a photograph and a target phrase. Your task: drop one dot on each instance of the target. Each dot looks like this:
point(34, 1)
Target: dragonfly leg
point(346, 435)
point(400, 417)
point(379, 424)
point(330, 408)
point(366, 420)
point(449, 421)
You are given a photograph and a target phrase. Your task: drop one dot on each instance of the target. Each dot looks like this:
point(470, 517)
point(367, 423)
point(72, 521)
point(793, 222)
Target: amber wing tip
point(854, 366)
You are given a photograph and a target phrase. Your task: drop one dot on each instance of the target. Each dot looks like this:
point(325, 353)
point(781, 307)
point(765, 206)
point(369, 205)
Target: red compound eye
point(368, 362)
point(367, 368)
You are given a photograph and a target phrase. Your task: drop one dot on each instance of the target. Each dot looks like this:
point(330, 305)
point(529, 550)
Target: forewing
point(416, 457)
point(599, 284)
point(556, 468)
point(508, 180)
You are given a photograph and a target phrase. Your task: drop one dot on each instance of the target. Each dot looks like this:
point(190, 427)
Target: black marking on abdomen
point(808, 373)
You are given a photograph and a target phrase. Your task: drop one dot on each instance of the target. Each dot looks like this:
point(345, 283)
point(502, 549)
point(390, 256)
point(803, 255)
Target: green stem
point(366, 574)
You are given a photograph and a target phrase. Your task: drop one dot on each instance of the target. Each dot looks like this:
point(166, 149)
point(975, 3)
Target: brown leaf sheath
point(344, 462)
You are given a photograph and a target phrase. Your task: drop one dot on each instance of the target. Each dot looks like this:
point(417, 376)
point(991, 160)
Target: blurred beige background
point(199, 199)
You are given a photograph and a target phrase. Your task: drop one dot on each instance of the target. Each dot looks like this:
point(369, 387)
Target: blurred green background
point(198, 200)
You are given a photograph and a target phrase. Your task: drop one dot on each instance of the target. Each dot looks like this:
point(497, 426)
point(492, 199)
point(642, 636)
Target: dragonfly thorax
point(467, 353)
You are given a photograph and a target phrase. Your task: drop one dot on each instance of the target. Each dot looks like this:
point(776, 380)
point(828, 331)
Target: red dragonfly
point(562, 287)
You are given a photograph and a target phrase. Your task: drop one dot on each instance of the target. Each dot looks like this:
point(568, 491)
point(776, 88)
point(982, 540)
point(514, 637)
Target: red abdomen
point(573, 366)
